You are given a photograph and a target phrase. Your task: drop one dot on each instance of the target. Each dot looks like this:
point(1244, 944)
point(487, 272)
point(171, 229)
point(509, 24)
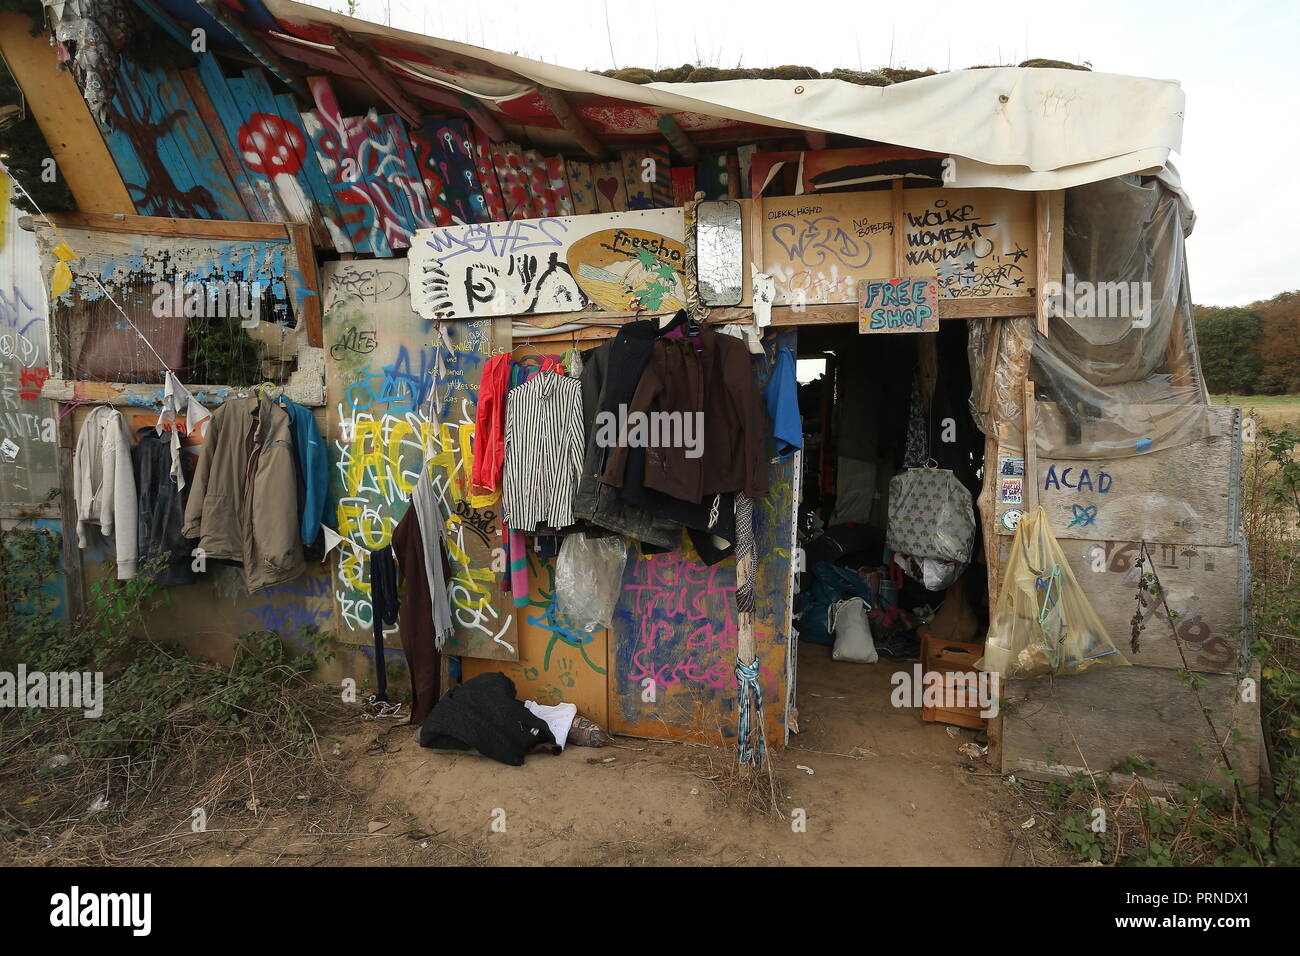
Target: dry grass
point(141, 808)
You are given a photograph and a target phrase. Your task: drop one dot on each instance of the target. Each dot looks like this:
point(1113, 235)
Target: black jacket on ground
point(483, 714)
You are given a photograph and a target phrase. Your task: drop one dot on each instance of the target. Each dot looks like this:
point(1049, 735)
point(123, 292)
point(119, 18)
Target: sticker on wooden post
point(898, 305)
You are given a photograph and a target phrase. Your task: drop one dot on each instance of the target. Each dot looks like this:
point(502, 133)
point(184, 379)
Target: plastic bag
point(589, 578)
point(1044, 624)
point(848, 619)
point(831, 583)
point(931, 515)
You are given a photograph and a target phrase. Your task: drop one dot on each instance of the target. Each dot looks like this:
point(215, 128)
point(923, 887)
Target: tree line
point(1252, 349)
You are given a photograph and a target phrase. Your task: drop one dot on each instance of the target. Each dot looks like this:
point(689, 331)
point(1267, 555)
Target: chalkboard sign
point(898, 305)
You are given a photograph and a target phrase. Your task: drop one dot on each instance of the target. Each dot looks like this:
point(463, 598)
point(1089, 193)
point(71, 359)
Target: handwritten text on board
point(898, 305)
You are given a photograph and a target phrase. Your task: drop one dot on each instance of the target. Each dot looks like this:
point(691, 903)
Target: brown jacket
point(243, 503)
point(718, 380)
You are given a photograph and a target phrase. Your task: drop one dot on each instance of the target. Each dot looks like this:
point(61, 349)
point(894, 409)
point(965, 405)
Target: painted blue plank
point(214, 81)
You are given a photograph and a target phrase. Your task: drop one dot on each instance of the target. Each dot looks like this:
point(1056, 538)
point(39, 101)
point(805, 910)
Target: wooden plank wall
point(1184, 502)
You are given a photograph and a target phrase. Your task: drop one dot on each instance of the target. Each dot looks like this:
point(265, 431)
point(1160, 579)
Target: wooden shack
point(342, 163)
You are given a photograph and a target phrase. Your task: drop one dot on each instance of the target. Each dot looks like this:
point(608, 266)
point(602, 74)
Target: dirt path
point(908, 799)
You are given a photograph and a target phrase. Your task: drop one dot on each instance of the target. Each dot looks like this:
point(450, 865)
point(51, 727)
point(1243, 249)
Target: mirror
point(719, 252)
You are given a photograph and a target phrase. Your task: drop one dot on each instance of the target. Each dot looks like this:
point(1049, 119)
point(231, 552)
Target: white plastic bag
point(588, 579)
point(848, 621)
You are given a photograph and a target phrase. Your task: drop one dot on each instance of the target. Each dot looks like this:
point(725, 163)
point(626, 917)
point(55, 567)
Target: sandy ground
point(902, 796)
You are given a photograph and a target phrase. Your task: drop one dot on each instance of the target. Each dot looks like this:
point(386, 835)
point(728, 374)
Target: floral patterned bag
point(931, 515)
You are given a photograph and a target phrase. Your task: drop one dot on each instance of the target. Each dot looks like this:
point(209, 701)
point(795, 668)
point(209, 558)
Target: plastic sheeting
point(1118, 373)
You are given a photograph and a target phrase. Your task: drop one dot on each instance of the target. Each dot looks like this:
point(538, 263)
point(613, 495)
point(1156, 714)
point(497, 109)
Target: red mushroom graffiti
point(270, 145)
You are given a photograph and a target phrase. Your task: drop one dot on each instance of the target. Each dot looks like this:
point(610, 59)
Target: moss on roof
point(886, 76)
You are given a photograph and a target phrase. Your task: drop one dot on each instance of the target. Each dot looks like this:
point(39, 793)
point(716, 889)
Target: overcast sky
point(1238, 62)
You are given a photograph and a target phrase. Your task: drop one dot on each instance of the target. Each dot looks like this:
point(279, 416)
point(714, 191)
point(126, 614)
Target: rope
point(751, 710)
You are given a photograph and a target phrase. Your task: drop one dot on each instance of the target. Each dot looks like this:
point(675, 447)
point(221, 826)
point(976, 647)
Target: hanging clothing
point(104, 485)
point(384, 608)
point(243, 503)
point(489, 430)
point(160, 510)
point(433, 537)
point(312, 471)
point(416, 613)
point(517, 566)
point(610, 375)
point(782, 400)
point(543, 452)
point(706, 375)
point(916, 451)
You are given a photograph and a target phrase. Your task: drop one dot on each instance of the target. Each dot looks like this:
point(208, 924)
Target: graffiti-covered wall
point(28, 449)
point(383, 428)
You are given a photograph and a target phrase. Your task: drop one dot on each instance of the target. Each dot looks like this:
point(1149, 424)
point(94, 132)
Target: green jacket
point(243, 503)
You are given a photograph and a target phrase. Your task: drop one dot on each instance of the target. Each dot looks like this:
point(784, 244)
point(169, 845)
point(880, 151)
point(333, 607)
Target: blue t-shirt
point(782, 397)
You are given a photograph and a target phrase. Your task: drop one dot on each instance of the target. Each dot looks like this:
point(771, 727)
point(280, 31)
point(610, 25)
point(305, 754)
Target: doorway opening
point(872, 621)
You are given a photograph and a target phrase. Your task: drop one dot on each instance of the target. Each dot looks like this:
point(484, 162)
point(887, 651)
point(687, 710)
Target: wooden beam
point(1031, 449)
point(165, 226)
point(254, 45)
point(988, 376)
point(677, 139)
point(899, 222)
point(327, 60)
point(134, 395)
point(73, 572)
point(816, 140)
point(481, 118)
point(164, 20)
point(300, 235)
point(80, 154)
point(1042, 247)
point(557, 103)
point(996, 307)
point(374, 74)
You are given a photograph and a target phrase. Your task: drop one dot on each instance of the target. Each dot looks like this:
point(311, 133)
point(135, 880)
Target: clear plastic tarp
point(1118, 373)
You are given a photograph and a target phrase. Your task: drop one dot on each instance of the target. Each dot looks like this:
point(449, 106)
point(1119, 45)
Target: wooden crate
point(953, 660)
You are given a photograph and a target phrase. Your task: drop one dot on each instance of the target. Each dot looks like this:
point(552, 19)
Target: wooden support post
point(678, 140)
point(73, 572)
point(897, 219)
point(988, 377)
point(1031, 450)
point(312, 307)
point(557, 103)
point(1043, 245)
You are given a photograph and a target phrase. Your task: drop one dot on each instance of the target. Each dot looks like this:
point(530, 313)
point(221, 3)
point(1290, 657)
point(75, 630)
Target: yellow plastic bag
point(1044, 624)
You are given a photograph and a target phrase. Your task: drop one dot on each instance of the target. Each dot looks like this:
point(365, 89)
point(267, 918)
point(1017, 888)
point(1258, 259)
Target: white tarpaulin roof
point(1008, 127)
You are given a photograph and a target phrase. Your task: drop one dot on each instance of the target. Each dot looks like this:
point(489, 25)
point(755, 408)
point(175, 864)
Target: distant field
point(1269, 409)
